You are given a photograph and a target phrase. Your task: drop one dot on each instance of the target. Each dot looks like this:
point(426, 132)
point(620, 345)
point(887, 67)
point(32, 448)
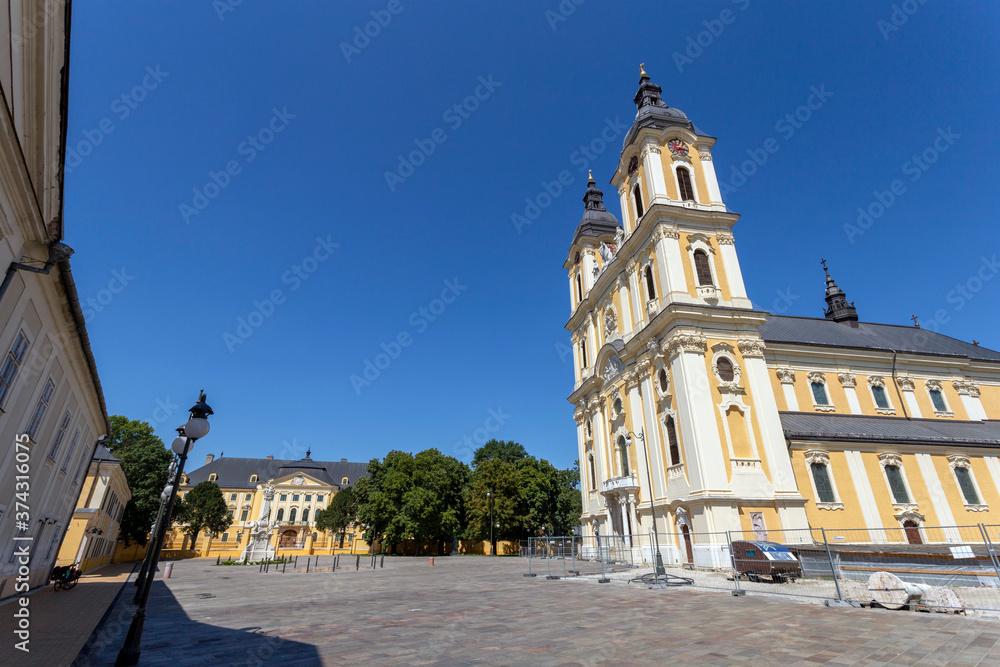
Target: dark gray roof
point(597, 220)
point(234, 473)
point(816, 331)
point(654, 113)
point(104, 454)
point(862, 428)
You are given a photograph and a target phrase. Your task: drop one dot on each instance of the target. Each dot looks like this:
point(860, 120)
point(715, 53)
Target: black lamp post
point(493, 549)
point(195, 428)
point(151, 546)
point(652, 510)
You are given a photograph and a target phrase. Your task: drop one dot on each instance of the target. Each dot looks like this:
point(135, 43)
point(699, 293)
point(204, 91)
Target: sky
point(280, 203)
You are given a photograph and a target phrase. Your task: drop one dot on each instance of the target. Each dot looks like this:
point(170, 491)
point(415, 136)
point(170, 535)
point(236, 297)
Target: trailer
point(756, 559)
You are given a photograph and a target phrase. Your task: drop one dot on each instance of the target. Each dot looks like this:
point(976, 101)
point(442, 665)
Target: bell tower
point(676, 416)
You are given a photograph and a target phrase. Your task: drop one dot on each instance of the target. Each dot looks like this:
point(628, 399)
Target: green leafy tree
point(432, 507)
point(503, 450)
point(203, 508)
point(380, 498)
point(145, 461)
point(340, 513)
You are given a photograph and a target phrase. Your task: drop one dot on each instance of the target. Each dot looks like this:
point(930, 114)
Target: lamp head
point(197, 426)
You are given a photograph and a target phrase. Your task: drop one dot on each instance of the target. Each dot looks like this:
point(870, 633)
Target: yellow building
point(93, 530)
point(301, 489)
point(751, 421)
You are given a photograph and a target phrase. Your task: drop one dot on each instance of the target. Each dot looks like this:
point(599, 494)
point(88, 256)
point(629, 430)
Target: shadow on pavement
point(170, 637)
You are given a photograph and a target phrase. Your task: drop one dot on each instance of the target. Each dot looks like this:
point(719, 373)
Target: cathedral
point(706, 414)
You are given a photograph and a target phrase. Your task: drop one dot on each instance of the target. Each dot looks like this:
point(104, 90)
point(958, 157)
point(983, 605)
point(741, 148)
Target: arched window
point(881, 399)
point(938, 400)
point(579, 288)
point(213, 477)
point(345, 481)
point(724, 367)
point(675, 450)
point(281, 513)
point(624, 453)
point(305, 514)
point(702, 267)
point(637, 194)
point(684, 182)
point(253, 478)
point(583, 352)
point(819, 394)
point(291, 514)
point(650, 288)
point(661, 377)
point(593, 474)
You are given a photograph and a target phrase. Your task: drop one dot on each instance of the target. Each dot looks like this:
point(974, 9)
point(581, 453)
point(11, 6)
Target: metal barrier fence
point(942, 569)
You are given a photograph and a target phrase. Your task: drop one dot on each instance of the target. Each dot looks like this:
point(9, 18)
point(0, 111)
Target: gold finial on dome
point(590, 175)
point(642, 69)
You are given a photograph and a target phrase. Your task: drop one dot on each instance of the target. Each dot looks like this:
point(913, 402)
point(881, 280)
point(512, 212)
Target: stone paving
point(61, 622)
point(482, 611)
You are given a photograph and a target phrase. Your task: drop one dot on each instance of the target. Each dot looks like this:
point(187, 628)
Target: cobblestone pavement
point(60, 623)
point(482, 611)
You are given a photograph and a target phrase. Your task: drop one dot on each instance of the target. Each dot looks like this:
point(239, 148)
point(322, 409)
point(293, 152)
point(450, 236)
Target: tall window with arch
point(702, 268)
point(637, 196)
point(291, 514)
point(583, 352)
point(650, 287)
point(623, 450)
point(684, 184)
point(281, 514)
point(579, 288)
point(673, 446)
point(593, 473)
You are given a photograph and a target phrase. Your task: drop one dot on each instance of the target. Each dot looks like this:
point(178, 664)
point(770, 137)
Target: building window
point(821, 477)
point(305, 514)
point(661, 377)
point(291, 514)
point(232, 496)
point(702, 268)
point(11, 365)
point(881, 400)
point(253, 478)
point(684, 181)
point(938, 401)
point(243, 515)
point(40, 408)
point(593, 473)
point(79, 468)
point(724, 367)
point(319, 498)
point(675, 450)
point(345, 481)
point(650, 287)
point(295, 497)
point(308, 497)
point(284, 496)
point(819, 393)
point(281, 513)
point(894, 475)
point(225, 537)
point(623, 449)
point(579, 289)
point(72, 447)
point(63, 427)
point(583, 352)
point(637, 195)
point(248, 496)
point(965, 483)
point(213, 477)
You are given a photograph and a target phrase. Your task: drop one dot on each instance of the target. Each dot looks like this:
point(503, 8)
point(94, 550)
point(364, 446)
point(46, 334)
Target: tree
point(380, 497)
point(503, 450)
point(340, 513)
point(145, 461)
point(432, 507)
point(203, 508)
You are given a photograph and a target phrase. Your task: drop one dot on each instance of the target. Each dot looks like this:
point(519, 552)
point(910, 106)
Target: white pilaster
point(974, 407)
point(787, 378)
point(627, 221)
point(668, 250)
point(657, 468)
point(704, 463)
point(938, 499)
point(588, 262)
point(866, 499)
point(911, 403)
point(653, 166)
point(639, 309)
point(623, 297)
point(852, 400)
point(711, 179)
point(734, 276)
point(772, 434)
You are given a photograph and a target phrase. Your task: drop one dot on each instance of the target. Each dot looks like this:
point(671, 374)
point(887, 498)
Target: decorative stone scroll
point(751, 348)
point(785, 375)
point(693, 343)
point(848, 380)
point(724, 238)
point(906, 383)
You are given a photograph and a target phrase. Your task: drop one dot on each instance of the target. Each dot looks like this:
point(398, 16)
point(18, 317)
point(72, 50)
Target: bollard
point(168, 570)
point(261, 568)
point(308, 560)
point(283, 566)
point(296, 563)
point(357, 563)
point(432, 561)
point(382, 562)
point(218, 560)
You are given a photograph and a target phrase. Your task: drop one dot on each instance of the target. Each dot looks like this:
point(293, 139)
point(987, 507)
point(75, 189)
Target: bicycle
point(65, 576)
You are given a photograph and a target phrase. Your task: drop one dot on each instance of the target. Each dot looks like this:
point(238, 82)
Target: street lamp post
point(493, 549)
point(195, 428)
point(658, 569)
point(151, 546)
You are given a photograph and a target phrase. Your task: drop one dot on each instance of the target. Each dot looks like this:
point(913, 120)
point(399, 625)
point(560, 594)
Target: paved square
point(482, 611)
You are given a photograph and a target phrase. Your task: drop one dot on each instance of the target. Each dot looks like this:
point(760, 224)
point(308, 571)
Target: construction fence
point(947, 569)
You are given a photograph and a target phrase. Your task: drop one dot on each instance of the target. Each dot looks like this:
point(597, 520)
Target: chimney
point(209, 458)
point(269, 458)
point(343, 460)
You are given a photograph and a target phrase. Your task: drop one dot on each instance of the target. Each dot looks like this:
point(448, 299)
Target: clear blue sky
point(218, 81)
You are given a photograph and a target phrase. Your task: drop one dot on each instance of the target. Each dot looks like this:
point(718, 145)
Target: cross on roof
point(915, 323)
point(823, 262)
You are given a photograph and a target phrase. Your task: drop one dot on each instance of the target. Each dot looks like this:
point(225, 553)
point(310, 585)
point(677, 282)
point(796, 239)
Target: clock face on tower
point(677, 147)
